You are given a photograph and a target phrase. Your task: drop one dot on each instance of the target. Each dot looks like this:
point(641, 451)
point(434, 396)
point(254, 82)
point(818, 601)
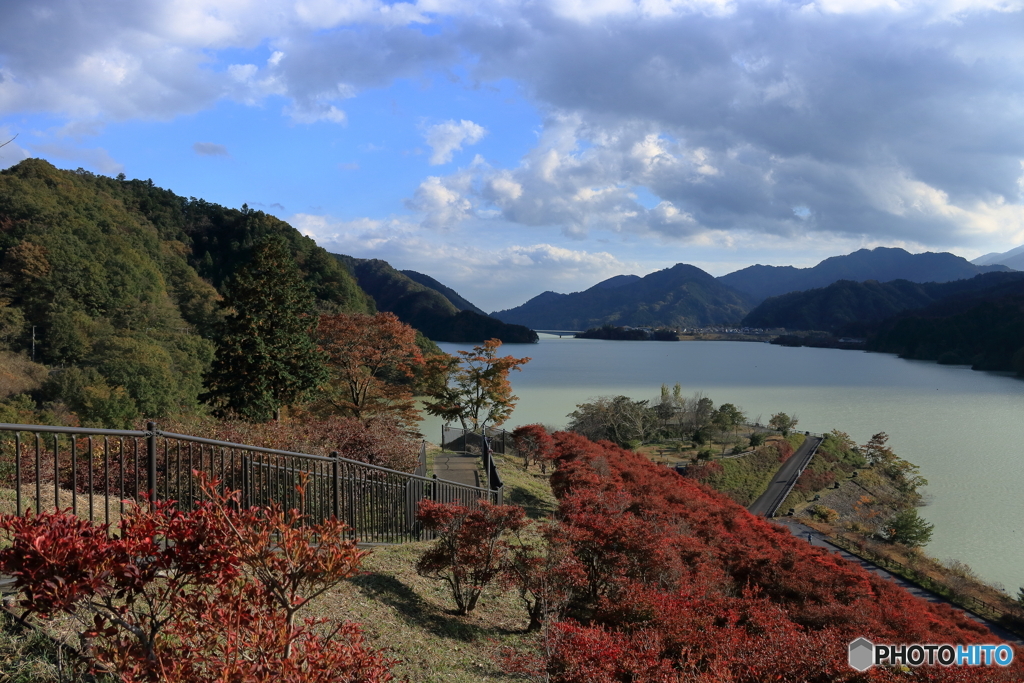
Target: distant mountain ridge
point(427, 309)
point(448, 293)
point(883, 264)
point(685, 296)
point(852, 308)
point(1012, 259)
point(680, 296)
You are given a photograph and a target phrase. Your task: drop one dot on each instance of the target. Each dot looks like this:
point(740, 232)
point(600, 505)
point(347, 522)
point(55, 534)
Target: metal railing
point(96, 472)
point(486, 443)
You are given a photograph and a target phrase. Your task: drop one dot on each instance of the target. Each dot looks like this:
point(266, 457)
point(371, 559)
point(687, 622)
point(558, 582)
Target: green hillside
point(457, 300)
point(982, 329)
point(427, 309)
point(120, 282)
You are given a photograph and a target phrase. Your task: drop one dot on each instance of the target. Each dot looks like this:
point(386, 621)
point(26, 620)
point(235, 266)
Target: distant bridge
point(560, 333)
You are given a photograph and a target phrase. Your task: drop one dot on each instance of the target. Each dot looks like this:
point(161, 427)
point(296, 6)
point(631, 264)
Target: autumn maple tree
point(472, 387)
point(371, 360)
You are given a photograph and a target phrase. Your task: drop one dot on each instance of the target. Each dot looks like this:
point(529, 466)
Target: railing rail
point(95, 472)
point(491, 440)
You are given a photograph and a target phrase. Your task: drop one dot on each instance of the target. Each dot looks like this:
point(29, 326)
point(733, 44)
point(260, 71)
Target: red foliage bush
point(811, 481)
point(210, 594)
point(704, 471)
point(533, 443)
point(471, 549)
point(784, 448)
point(682, 584)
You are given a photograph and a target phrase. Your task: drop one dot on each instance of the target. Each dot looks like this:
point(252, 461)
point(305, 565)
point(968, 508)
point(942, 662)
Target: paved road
point(462, 469)
point(820, 540)
point(787, 474)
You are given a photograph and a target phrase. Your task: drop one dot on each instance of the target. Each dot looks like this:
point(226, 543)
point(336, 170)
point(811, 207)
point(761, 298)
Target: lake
point(964, 429)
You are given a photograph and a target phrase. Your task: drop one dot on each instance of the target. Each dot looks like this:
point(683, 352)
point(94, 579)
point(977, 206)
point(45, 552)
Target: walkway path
point(458, 467)
point(820, 540)
point(784, 479)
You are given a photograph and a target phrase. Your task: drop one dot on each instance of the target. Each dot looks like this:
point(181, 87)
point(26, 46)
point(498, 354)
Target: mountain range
point(848, 308)
point(881, 263)
point(685, 296)
point(1013, 259)
point(679, 296)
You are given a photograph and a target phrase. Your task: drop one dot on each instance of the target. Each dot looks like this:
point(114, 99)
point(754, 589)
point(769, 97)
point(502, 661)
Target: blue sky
point(506, 148)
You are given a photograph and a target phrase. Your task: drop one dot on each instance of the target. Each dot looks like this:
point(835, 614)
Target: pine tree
point(267, 356)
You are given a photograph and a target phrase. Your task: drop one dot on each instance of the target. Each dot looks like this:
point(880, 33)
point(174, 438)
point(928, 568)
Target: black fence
point(97, 472)
point(484, 444)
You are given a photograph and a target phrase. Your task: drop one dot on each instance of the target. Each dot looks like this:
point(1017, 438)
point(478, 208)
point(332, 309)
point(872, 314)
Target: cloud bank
point(686, 122)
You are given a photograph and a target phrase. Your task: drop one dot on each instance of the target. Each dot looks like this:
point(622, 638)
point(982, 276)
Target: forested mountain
point(427, 309)
point(851, 308)
point(680, 296)
point(882, 264)
point(984, 329)
point(458, 301)
point(120, 281)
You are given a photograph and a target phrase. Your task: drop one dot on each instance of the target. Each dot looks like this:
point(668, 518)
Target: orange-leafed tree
point(473, 387)
point(372, 360)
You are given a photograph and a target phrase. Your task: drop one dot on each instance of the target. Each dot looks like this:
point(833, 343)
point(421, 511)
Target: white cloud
point(442, 201)
point(492, 277)
point(891, 120)
point(449, 137)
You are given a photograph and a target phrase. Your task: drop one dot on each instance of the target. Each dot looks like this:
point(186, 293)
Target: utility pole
point(33, 343)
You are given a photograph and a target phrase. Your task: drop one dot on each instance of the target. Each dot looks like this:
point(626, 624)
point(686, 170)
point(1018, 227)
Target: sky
point(510, 147)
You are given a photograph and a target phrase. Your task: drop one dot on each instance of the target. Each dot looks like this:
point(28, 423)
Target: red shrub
point(533, 443)
point(683, 584)
point(208, 594)
point(811, 481)
point(470, 550)
point(704, 471)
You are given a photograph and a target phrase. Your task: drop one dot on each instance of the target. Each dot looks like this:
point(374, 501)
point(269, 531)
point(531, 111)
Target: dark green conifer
point(266, 356)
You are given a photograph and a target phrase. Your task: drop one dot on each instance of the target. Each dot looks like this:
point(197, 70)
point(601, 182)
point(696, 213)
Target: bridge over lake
point(560, 333)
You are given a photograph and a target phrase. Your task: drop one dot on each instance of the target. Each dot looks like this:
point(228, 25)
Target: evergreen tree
point(266, 355)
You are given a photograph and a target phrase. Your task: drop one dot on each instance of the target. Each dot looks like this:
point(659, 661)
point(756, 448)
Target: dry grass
point(18, 374)
point(66, 499)
point(413, 618)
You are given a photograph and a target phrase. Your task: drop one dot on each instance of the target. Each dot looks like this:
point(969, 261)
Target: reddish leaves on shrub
point(533, 443)
point(682, 584)
point(207, 594)
point(471, 549)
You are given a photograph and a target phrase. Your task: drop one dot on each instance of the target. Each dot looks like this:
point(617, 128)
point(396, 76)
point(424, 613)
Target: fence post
point(151, 452)
point(335, 486)
point(246, 484)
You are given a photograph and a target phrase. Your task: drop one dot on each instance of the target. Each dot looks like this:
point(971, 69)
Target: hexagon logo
point(862, 654)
